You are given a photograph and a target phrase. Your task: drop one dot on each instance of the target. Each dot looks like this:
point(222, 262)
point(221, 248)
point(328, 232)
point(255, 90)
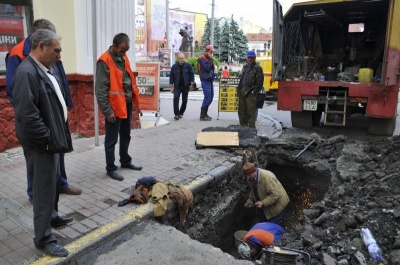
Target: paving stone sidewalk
point(167, 152)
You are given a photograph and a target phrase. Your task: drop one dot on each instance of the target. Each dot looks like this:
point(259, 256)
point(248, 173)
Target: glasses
point(165, 58)
point(181, 58)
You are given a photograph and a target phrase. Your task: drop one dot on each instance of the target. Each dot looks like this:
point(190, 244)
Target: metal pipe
point(94, 54)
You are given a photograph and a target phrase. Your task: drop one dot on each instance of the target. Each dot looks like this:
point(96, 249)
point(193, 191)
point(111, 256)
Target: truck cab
point(336, 58)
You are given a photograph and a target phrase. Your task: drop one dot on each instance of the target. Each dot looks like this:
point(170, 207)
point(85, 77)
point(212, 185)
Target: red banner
point(148, 83)
point(11, 27)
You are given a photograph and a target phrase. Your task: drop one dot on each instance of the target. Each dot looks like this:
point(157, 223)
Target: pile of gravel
point(364, 192)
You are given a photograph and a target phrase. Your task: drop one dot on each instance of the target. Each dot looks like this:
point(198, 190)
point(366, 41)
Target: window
point(14, 23)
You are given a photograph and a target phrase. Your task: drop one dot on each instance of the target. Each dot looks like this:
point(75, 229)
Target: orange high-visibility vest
point(18, 50)
point(266, 238)
point(116, 94)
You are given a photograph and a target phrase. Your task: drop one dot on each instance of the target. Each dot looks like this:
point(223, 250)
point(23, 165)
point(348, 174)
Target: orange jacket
point(116, 94)
point(264, 237)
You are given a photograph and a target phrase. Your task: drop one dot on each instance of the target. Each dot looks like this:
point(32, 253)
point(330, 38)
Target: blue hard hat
point(251, 54)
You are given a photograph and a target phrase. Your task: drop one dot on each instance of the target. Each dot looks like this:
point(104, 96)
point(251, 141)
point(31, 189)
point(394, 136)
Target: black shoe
point(205, 118)
point(61, 220)
point(176, 117)
point(115, 175)
point(53, 249)
point(180, 116)
point(132, 166)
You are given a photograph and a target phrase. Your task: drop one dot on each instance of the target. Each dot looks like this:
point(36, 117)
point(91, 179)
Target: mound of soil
point(364, 191)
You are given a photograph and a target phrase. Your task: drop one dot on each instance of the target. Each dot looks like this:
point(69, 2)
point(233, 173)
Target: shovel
point(315, 137)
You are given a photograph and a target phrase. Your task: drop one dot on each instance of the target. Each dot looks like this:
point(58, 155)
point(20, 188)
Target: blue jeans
point(208, 91)
point(123, 127)
point(276, 219)
point(177, 93)
point(63, 179)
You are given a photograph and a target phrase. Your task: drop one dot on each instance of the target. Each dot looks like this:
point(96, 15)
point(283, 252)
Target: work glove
point(249, 203)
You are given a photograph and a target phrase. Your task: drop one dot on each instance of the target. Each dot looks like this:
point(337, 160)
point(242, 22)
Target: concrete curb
point(120, 223)
point(110, 230)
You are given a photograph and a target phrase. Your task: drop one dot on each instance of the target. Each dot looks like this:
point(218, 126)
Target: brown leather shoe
point(71, 191)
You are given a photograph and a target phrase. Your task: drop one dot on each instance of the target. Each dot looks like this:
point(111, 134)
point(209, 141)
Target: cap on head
point(244, 251)
point(251, 54)
point(248, 168)
point(210, 48)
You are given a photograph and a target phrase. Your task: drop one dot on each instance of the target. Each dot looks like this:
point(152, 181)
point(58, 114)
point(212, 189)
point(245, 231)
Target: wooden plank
point(218, 139)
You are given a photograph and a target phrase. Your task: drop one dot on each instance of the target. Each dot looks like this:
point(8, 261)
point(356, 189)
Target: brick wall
point(81, 118)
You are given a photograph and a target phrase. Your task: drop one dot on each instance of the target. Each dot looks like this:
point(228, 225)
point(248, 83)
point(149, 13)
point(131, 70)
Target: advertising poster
point(228, 100)
point(140, 28)
point(12, 30)
point(149, 86)
point(178, 21)
point(164, 57)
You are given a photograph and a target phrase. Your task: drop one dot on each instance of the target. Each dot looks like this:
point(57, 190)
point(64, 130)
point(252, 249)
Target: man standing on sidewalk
point(181, 79)
point(13, 59)
point(42, 129)
point(250, 83)
point(117, 95)
point(205, 64)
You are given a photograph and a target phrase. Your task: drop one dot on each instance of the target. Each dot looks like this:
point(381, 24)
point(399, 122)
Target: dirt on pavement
point(337, 186)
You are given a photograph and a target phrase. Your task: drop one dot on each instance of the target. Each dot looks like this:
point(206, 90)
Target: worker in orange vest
point(117, 95)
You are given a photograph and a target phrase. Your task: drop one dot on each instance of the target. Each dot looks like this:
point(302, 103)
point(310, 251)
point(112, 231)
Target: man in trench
point(259, 236)
point(266, 193)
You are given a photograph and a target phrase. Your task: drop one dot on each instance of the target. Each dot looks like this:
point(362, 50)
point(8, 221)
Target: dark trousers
point(276, 219)
point(123, 127)
point(45, 170)
point(247, 110)
point(208, 91)
point(63, 179)
point(177, 93)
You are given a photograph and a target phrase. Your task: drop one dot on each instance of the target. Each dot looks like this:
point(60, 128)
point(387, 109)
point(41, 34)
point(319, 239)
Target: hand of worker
point(112, 118)
point(259, 204)
point(249, 203)
point(171, 89)
point(190, 87)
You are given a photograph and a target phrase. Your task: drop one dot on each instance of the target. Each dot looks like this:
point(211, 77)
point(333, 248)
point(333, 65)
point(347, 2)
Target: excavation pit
point(218, 209)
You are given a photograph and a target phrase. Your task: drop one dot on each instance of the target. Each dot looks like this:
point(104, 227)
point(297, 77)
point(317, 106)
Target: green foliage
point(205, 39)
point(193, 62)
point(231, 42)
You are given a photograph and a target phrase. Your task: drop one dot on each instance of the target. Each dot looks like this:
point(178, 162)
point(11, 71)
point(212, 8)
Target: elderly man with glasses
point(181, 79)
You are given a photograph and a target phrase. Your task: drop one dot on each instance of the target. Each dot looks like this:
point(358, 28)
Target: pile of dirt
point(364, 191)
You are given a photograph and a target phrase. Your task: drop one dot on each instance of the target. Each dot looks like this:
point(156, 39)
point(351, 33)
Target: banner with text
point(148, 82)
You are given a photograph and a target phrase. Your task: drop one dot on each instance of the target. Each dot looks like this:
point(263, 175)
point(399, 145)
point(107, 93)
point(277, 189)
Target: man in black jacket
point(42, 129)
point(181, 79)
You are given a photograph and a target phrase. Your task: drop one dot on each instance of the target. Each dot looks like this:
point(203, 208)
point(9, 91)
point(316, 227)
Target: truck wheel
point(384, 127)
point(302, 119)
point(316, 117)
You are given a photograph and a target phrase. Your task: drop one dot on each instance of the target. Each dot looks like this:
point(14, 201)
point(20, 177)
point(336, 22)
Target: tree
point(238, 42)
point(224, 40)
point(205, 39)
point(242, 47)
point(231, 42)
